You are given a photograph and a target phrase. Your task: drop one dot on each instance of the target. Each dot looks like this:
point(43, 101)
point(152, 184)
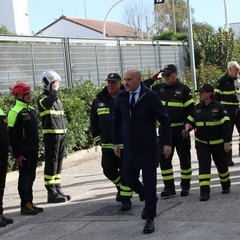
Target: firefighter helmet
point(21, 88)
point(49, 77)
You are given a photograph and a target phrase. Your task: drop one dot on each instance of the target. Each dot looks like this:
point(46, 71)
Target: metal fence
point(25, 58)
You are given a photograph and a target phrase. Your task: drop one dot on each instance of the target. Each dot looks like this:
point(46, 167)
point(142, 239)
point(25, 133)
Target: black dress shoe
point(149, 226)
point(184, 192)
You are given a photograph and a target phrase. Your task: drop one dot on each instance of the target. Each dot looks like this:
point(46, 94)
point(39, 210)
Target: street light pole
point(191, 46)
point(105, 19)
point(226, 27)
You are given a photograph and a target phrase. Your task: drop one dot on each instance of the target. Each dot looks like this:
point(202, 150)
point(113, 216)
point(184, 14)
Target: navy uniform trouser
point(112, 169)
point(146, 189)
point(27, 175)
point(205, 154)
point(183, 147)
point(54, 153)
point(3, 172)
point(235, 120)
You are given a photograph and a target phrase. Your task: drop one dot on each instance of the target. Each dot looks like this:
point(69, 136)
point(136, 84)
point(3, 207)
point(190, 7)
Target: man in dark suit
point(136, 111)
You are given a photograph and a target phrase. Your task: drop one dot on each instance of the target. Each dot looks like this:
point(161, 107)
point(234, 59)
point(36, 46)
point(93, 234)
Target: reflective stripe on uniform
point(102, 111)
point(51, 112)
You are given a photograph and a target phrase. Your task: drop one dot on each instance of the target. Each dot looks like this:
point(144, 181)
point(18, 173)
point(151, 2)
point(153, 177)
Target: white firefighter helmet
point(48, 77)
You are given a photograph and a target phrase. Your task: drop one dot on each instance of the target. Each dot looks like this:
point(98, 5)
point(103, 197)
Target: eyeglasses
point(166, 74)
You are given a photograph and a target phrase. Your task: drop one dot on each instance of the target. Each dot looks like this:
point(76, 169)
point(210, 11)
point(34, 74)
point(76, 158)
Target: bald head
point(132, 79)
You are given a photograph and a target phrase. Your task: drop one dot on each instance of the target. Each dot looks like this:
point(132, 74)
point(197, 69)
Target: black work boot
point(6, 219)
point(55, 197)
point(126, 204)
point(204, 193)
point(28, 210)
point(3, 223)
point(169, 189)
point(60, 192)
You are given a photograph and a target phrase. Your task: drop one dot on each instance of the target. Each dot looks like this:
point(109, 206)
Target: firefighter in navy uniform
point(101, 118)
point(54, 135)
point(178, 102)
point(226, 94)
point(212, 139)
point(24, 141)
point(4, 147)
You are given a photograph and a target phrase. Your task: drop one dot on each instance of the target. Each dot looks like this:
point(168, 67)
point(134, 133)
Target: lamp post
point(191, 46)
point(226, 27)
point(104, 22)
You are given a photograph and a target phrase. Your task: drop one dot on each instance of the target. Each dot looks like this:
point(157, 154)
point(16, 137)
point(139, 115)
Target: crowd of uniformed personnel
point(122, 117)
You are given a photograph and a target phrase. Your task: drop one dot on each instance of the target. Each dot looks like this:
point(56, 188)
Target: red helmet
point(21, 88)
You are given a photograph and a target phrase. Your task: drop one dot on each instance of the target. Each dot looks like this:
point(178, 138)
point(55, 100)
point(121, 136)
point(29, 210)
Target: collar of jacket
point(21, 104)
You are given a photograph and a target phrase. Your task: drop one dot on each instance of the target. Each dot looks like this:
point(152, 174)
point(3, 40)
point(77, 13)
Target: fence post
point(96, 54)
point(120, 56)
point(68, 69)
point(33, 67)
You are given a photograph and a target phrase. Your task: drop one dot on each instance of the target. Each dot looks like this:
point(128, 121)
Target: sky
point(44, 12)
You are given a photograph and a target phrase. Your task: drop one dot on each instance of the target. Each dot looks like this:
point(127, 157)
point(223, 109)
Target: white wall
point(65, 28)
point(14, 14)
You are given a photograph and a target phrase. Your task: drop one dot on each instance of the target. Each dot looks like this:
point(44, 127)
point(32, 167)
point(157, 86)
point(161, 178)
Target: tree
point(137, 14)
point(215, 48)
point(164, 16)
point(4, 30)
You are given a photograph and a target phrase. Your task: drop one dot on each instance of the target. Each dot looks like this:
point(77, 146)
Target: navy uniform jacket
point(138, 128)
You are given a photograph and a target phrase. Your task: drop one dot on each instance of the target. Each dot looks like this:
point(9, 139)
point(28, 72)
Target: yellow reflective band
point(52, 182)
point(229, 103)
point(228, 92)
point(51, 112)
point(117, 180)
point(57, 175)
point(203, 176)
point(186, 176)
point(126, 194)
point(49, 177)
point(102, 111)
point(226, 118)
point(167, 177)
point(96, 139)
point(125, 188)
point(40, 102)
point(175, 104)
point(224, 179)
point(223, 174)
point(168, 171)
point(204, 183)
point(56, 131)
point(213, 142)
point(217, 91)
point(111, 146)
point(177, 124)
point(190, 101)
point(191, 119)
point(186, 170)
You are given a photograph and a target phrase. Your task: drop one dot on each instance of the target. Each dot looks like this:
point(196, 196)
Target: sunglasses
point(166, 74)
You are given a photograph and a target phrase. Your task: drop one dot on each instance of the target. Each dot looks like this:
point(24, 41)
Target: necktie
point(132, 99)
